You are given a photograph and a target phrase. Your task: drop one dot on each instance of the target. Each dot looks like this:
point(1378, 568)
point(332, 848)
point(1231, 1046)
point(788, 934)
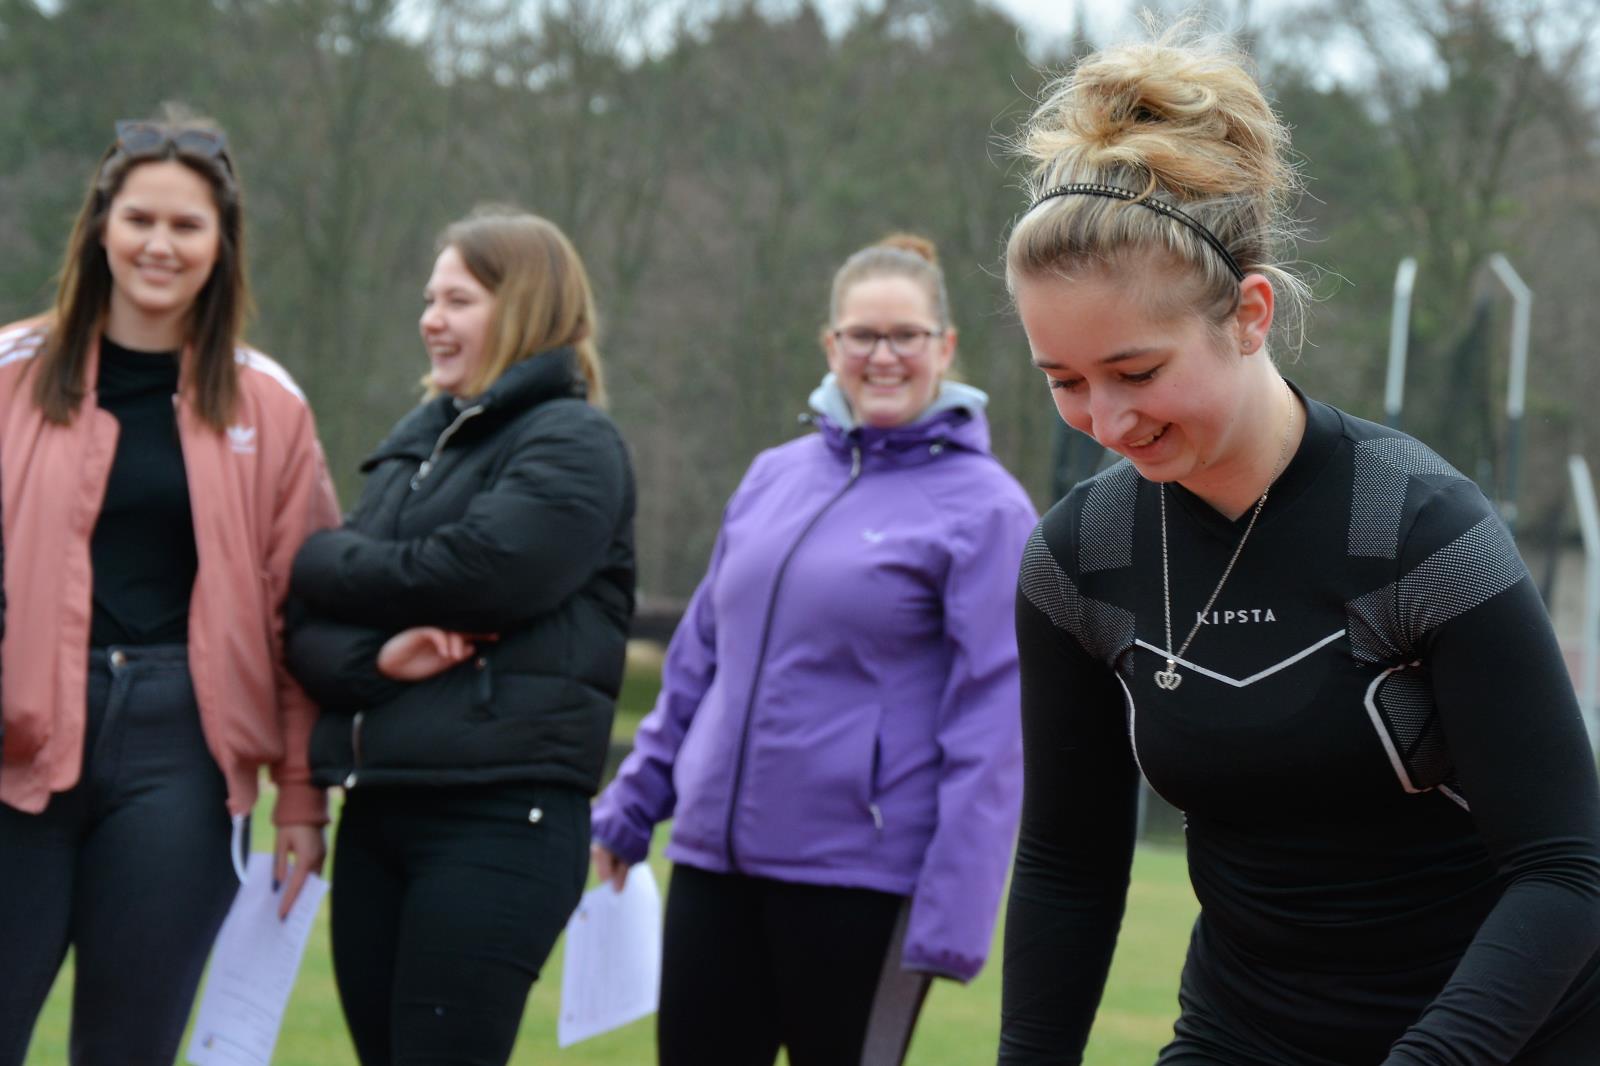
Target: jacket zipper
point(355, 749)
point(761, 653)
point(438, 445)
point(416, 480)
point(872, 805)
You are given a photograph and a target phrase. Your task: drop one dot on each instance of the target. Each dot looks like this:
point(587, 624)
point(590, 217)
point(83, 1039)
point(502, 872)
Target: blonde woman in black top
point(1307, 631)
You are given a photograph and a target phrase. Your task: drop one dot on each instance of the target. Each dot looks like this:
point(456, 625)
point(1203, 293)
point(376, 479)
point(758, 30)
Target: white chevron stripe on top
point(1253, 678)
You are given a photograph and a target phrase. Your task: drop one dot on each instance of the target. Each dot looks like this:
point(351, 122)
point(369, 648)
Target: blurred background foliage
point(714, 161)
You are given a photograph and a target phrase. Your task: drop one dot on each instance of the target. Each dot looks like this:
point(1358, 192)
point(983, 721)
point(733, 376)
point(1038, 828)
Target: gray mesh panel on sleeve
point(1384, 467)
point(1103, 629)
point(1374, 627)
point(1391, 622)
point(1387, 623)
point(1105, 526)
point(1475, 567)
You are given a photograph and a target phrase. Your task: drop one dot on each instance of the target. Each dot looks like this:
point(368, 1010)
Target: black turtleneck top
point(1392, 816)
point(143, 549)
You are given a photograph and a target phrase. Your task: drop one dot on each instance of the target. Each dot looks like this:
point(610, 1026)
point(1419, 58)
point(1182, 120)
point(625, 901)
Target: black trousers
point(749, 964)
point(446, 903)
point(130, 867)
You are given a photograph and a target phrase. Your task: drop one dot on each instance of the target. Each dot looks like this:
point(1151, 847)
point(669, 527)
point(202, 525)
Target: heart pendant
point(1168, 679)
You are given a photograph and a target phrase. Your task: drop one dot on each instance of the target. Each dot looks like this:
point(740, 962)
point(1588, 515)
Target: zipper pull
point(422, 472)
point(855, 461)
point(355, 749)
point(485, 685)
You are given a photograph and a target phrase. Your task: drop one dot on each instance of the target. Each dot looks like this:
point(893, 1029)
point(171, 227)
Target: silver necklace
point(1169, 679)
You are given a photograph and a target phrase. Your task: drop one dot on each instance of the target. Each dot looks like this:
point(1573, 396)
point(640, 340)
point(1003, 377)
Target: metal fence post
point(1394, 388)
point(1517, 379)
point(1589, 523)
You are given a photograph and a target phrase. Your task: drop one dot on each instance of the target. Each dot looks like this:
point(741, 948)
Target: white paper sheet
point(611, 972)
point(253, 967)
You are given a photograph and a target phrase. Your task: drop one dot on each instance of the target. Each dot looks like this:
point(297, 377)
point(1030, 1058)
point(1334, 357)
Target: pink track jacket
point(257, 490)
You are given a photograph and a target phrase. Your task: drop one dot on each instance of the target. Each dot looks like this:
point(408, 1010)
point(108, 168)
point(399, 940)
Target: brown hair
point(1179, 119)
point(83, 293)
point(542, 298)
point(899, 255)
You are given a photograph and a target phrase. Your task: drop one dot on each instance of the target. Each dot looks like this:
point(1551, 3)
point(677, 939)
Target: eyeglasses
point(141, 138)
point(908, 342)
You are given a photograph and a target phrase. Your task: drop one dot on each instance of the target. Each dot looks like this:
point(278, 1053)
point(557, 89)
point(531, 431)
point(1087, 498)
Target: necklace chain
point(1169, 679)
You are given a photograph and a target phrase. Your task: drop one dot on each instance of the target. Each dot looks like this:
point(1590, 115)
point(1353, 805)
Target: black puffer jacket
point(511, 514)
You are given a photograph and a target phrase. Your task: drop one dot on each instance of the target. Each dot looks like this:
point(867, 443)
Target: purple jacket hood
point(955, 417)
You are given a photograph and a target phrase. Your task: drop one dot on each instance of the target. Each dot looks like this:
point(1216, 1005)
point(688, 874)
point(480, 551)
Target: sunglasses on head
point(139, 138)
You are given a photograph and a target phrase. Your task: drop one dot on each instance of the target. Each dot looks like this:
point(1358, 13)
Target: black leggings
point(130, 867)
point(446, 903)
point(750, 963)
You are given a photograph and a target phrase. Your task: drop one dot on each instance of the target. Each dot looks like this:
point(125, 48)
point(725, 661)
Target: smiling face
point(886, 389)
point(161, 238)
point(456, 314)
point(1181, 398)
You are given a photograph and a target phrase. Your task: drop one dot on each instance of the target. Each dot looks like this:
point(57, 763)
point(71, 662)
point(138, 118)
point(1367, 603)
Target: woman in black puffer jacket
point(464, 633)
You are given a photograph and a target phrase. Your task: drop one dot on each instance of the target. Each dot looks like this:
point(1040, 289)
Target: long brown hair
point(84, 292)
point(542, 298)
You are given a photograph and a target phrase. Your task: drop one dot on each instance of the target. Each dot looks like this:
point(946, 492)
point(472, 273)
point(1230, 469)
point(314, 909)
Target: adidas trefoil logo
point(872, 536)
point(242, 439)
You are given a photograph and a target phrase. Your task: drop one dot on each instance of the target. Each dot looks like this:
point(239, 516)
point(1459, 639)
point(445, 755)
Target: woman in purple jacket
point(837, 733)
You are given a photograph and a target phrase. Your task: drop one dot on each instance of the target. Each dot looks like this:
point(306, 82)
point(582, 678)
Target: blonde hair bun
point(1190, 117)
point(917, 245)
point(1180, 119)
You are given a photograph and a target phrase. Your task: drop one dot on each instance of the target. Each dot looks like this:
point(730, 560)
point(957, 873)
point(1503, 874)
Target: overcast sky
point(1054, 18)
point(1108, 19)
point(1047, 21)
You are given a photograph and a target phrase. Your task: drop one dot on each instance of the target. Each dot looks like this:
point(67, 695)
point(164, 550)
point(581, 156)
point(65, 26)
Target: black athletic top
point(143, 550)
point(1392, 816)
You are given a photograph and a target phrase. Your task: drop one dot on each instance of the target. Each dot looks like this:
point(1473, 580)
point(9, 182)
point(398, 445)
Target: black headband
point(1113, 192)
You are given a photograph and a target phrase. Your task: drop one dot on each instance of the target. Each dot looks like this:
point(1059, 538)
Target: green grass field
point(958, 1027)
point(958, 1024)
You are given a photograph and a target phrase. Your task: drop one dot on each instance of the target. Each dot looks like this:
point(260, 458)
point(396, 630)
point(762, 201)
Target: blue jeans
point(130, 867)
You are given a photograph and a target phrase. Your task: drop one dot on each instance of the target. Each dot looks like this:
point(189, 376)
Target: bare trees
point(714, 165)
point(1482, 114)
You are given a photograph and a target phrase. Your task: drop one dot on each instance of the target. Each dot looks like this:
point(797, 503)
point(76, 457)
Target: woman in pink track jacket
point(157, 479)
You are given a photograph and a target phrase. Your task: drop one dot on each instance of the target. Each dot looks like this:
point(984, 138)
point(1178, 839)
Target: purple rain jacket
point(840, 704)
